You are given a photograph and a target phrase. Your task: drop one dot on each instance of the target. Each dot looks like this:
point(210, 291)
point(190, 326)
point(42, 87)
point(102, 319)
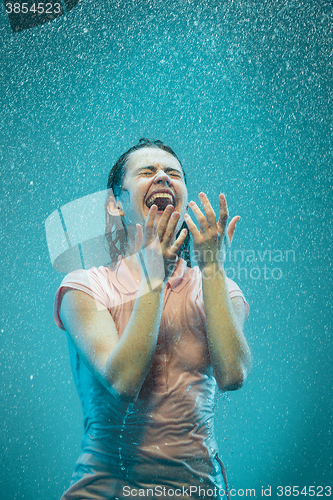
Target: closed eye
point(175, 173)
point(146, 172)
point(152, 171)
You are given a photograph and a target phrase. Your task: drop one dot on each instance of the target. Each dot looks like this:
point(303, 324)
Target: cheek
point(184, 203)
point(138, 202)
point(183, 210)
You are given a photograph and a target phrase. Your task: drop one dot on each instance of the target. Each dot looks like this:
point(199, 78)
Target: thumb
point(232, 227)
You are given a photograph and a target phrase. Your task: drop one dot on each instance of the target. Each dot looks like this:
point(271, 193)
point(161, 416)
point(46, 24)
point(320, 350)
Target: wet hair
point(116, 232)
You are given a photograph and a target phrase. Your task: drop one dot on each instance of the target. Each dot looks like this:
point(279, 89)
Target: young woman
point(151, 338)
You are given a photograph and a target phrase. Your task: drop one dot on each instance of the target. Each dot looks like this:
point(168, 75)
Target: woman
point(151, 339)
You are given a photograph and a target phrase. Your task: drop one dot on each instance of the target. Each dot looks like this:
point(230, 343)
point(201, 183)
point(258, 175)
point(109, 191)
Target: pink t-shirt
point(166, 437)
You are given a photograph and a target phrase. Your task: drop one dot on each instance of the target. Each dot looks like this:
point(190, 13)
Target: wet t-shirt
point(166, 437)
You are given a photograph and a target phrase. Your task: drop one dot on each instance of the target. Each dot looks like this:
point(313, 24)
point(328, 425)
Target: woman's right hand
point(157, 252)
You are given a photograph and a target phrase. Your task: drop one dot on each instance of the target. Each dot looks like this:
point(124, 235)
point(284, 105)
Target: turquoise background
point(241, 91)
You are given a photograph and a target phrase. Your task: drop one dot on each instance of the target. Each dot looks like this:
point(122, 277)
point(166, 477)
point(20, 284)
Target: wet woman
point(151, 339)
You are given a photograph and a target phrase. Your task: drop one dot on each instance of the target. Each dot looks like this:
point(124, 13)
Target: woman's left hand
point(212, 235)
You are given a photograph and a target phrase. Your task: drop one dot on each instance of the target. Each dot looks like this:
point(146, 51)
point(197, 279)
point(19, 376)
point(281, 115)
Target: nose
point(162, 178)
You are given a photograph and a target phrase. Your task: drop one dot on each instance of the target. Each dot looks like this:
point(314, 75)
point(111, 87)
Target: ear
point(114, 207)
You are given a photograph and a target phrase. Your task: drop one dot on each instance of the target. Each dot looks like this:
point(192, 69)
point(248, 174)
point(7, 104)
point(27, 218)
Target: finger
point(232, 226)
point(150, 224)
point(164, 221)
point(210, 214)
point(203, 224)
point(192, 227)
point(179, 241)
point(170, 229)
point(223, 217)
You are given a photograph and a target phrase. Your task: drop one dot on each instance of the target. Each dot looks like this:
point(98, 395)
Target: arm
point(229, 352)
point(121, 365)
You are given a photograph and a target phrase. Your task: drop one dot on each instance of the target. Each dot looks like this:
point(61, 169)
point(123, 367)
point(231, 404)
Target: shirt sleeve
point(235, 291)
point(197, 294)
point(87, 281)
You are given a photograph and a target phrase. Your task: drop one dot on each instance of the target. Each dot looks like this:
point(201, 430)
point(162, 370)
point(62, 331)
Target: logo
point(76, 240)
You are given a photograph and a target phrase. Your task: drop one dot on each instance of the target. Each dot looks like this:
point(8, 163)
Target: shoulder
point(94, 282)
point(195, 277)
point(102, 275)
point(239, 301)
point(233, 287)
point(88, 280)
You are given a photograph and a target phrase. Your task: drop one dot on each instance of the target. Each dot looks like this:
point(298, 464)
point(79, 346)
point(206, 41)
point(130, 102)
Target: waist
point(154, 466)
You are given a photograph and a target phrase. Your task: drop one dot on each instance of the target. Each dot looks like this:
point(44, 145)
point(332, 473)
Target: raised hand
point(212, 236)
point(157, 251)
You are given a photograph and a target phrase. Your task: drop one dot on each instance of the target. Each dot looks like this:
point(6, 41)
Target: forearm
point(129, 362)
point(229, 352)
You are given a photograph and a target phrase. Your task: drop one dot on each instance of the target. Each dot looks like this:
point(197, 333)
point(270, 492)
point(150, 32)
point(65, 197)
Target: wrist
point(212, 269)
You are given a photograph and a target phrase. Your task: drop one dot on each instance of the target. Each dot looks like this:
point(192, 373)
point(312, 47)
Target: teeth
point(153, 197)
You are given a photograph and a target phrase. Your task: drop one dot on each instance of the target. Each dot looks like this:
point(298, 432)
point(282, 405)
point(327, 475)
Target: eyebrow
point(153, 168)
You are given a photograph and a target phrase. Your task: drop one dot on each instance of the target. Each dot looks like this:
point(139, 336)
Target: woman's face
point(153, 176)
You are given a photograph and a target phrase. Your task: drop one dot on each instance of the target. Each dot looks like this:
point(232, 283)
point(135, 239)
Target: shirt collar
point(124, 280)
point(180, 276)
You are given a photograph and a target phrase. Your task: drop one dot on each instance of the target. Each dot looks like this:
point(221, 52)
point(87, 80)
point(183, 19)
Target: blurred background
point(241, 91)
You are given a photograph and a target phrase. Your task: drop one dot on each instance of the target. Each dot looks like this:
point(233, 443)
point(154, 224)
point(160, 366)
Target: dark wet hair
point(117, 234)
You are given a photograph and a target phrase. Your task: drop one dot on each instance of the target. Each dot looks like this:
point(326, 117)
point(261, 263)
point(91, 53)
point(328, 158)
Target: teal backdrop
point(241, 90)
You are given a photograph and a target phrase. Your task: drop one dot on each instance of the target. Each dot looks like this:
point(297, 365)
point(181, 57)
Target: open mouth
point(161, 200)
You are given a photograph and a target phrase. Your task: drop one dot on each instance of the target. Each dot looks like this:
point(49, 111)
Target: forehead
point(151, 157)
